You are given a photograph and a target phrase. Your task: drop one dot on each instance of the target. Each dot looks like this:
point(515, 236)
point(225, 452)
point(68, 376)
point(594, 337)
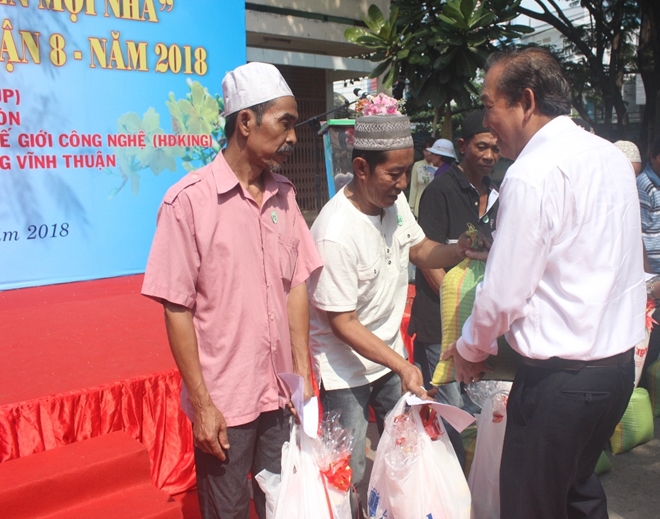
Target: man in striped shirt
point(648, 186)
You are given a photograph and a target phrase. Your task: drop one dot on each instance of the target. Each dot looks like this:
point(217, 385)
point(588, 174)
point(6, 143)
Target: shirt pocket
point(367, 280)
point(288, 252)
point(402, 241)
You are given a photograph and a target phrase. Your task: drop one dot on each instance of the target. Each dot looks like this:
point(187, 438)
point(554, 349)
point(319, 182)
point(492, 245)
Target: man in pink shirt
point(229, 263)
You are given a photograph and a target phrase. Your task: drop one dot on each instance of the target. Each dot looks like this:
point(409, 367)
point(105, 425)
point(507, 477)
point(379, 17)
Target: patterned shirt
point(648, 187)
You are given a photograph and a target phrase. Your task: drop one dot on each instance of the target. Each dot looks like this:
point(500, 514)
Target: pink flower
point(378, 105)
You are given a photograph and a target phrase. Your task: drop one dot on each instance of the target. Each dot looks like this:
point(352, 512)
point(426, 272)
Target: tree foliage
point(437, 45)
point(648, 63)
point(598, 54)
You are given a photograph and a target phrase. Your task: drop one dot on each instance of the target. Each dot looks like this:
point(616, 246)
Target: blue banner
point(104, 104)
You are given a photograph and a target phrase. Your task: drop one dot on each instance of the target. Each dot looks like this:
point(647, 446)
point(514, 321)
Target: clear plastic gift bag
point(416, 473)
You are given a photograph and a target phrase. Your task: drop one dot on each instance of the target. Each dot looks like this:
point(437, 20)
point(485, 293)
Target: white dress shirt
point(565, 274)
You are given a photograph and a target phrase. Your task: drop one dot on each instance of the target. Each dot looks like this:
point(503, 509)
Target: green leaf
point(403, 54)
point(389, 78)
point(380, 69)
point(482, 21)
point(452, 10)
point(454, 23)
point(467, 8)
point(370, 41)
point(353, 33)
point(523, 29)
point(375, 19)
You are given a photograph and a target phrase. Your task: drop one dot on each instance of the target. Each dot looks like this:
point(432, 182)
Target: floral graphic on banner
point(197, 137)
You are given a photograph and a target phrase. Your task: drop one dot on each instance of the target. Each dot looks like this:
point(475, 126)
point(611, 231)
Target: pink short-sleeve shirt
point(233, 263)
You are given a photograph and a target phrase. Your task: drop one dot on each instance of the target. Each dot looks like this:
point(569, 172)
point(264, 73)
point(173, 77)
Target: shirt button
point(476, 203)
point(388, 250)
point(389, 262)
point(271, 317)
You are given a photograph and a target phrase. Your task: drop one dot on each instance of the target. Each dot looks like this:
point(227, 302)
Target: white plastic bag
point(641, 350)
point(270, 485)
point(484, 478)
point(302, 494)
point(301, 491)
point(414, 477)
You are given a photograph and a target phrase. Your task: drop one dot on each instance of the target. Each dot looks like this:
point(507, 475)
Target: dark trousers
point(427, 356)
point(222, 486)
point(558, 423)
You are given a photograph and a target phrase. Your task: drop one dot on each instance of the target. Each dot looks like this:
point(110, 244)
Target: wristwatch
point(649, 286)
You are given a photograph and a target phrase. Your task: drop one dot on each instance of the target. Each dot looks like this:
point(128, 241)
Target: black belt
point(575, 365)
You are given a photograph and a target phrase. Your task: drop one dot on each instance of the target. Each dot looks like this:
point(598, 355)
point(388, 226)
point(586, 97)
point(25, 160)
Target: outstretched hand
point(412, 380)
point(465, 371)
point(475, 247)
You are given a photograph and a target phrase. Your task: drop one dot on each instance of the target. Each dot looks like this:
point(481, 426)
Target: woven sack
point(456, 300)
point(636, 425)
point(469, 439)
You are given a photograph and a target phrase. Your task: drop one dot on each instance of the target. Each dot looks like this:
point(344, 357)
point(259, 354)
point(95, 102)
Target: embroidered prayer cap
point(473, 123)
point(382, 133)
point(443, 147)
point(252, 84)
point(630, 150)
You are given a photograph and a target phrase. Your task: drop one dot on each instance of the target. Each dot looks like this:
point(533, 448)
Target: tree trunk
point(648, 61)
point(436, 115)
point(447, 131)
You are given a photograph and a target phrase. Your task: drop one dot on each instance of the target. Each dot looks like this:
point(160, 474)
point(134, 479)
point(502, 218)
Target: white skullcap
point(252, 84)
point(630, 150)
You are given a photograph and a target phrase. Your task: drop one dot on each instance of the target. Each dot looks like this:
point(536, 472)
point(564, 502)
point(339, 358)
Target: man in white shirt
point(365, 235)
point(564, 282)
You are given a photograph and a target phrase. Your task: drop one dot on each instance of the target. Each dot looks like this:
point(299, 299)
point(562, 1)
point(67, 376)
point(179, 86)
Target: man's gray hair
point(537, 69)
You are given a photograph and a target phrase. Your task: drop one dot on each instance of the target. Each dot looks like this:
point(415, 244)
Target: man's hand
point(477, 255)
point(210, 432)
point(465, 371)
point(308, 391)
point(412, 380)
point(464, 242)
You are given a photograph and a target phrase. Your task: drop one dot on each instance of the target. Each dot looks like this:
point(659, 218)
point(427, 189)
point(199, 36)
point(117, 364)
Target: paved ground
point(632, 486)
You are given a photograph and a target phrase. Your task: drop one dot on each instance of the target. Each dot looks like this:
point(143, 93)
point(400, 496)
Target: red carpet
point(62, 338)
point(80, 360)
point(105, 478)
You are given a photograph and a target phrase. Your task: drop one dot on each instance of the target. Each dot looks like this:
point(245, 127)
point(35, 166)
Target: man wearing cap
point(462, 195)
point(648, 188)
point(442, 155)
point(366, 235)
point(631, 151)
point(423, 172)
point(229, 263)
point(564, 283)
